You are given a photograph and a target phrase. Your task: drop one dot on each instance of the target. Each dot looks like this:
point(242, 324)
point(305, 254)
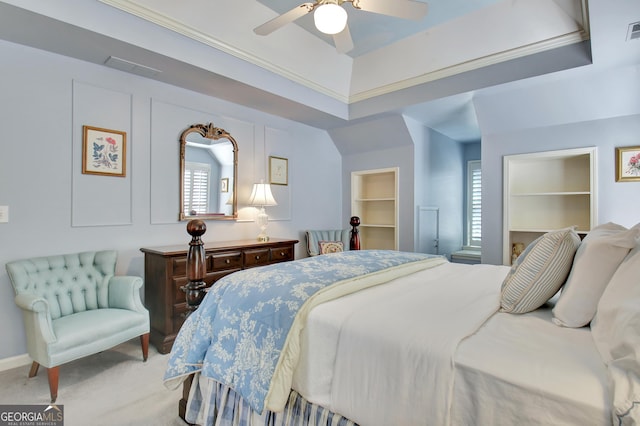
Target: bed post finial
point(196, 267)
point(354, 242)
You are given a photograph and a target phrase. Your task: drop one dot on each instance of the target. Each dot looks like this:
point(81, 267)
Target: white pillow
point(616, 332)
point(595, 262)
point(539, 271)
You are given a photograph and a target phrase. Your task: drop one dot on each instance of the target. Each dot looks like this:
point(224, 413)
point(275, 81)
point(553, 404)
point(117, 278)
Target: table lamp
point(261, 197)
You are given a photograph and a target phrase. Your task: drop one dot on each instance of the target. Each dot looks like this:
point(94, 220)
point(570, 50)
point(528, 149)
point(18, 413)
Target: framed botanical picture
point(628, 164)
point(104, 152)
point(278, 171)
point(224, 185)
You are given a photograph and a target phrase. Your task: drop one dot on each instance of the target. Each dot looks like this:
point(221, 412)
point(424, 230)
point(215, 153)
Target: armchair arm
point(124, 293)
point(31, 302)
point(37, 317)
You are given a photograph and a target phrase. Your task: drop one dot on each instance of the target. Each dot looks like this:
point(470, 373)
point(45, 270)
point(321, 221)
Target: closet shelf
point(374, 200)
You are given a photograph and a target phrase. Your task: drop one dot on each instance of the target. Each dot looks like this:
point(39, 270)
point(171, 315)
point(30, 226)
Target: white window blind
point(474, 204)
point(196, 187)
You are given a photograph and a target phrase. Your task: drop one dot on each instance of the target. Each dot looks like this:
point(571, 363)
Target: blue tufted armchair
point(73, 306)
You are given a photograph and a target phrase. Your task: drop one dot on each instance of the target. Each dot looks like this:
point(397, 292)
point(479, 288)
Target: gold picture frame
point(104, 152)
point(628, 164)
point(278, 171)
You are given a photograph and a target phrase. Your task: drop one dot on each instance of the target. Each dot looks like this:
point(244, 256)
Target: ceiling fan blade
point(343, 40)
point(282, 20)
point(406, 9)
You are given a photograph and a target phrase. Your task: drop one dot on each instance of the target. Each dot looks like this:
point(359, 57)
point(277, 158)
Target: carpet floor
point(112, 388)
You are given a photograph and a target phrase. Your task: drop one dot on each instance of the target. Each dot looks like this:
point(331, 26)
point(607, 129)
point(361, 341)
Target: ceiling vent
point(634, 31)
point(132, 67)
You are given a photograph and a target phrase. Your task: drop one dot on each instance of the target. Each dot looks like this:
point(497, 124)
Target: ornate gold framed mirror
point(208, 173)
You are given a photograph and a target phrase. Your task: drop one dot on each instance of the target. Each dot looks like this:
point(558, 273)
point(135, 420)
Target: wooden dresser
point(165, 270)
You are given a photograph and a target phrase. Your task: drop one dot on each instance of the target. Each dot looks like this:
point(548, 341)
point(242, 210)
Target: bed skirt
point(212, 403)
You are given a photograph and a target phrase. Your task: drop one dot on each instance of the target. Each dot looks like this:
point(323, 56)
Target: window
point(474, 204)
point(196, 187)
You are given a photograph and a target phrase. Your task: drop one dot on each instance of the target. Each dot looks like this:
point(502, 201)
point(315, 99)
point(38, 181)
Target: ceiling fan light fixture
point(330, 18)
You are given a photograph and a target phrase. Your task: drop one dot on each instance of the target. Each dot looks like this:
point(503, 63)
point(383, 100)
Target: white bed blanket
point(535, 372)
point(392, 362)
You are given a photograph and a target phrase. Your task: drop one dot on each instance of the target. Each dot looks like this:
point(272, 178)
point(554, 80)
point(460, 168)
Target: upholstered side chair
point(74, 306)
point(333, 240)
point(317, 240)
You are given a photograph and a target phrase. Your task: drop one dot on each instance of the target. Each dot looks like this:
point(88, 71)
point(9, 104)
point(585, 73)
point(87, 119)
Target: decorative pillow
point(539, 271)
point(330, 247)
point(595, 262)
point(618, 305)
point(616, 332)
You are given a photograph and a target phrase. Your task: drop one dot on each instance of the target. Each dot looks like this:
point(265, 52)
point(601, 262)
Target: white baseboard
point(14, 361)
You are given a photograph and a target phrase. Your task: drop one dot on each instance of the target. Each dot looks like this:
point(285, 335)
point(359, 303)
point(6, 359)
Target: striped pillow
point(539, 271)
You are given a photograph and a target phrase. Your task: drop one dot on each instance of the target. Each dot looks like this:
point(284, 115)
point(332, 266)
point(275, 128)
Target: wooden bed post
point(196, 270)
point(354, 242)
point(196, 267)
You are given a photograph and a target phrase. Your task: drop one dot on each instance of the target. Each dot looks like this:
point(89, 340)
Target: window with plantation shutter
point(196, 187)
point(474, 204)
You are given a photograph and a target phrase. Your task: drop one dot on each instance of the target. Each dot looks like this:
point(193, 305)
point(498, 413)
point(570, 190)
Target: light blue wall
point(440, 175)
point(431, 172)
point(471, 151)
point(54, 208)
point(377, 144)
point(600, 109)
point(617, 201)
point(401, 157)
point(445, 168)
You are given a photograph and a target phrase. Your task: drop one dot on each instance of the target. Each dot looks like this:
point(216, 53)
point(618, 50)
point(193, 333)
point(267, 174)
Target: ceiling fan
point(331, 18)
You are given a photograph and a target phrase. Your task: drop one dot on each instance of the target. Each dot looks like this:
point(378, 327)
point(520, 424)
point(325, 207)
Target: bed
point(383, 337)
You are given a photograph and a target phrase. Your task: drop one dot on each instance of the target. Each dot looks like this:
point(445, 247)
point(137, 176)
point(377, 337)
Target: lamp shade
point(261, 195)
point(330, 18)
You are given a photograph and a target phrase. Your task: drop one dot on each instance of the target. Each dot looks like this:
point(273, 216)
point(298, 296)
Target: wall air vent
point(634, 31)
point(132, 67)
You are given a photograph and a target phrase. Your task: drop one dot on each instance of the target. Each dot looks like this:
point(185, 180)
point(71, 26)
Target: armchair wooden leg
point(54, 374)
point(34, 369)
point(144, 341)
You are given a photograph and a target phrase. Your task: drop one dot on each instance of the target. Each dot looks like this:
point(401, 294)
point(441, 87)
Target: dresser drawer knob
point(227, 261)
point(257, 257)
point(282, 254)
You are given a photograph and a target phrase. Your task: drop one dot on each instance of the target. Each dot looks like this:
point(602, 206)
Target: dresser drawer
point(256, 257)
point(281, 254)
point(227, 260)
point(179, 266)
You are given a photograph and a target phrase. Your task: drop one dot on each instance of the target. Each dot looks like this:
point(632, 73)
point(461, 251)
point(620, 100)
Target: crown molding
point(556, 42)
point(174, 25)
point(181, 28)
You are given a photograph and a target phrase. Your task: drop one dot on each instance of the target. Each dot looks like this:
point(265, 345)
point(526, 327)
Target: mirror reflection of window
point(216, 149)
point(216, 154)
point(197, 182)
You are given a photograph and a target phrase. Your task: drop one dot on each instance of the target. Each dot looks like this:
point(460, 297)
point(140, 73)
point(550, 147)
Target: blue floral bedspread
point(245, 334)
